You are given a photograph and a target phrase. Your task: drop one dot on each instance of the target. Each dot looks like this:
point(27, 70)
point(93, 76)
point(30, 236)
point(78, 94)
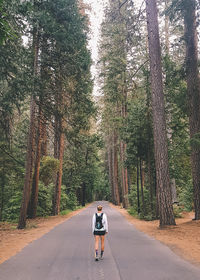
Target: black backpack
point(98, 223)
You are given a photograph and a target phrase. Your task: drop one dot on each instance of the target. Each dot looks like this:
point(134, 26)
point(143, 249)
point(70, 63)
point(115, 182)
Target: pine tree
point(114, 64)
point(193, 91)
point(159, 123)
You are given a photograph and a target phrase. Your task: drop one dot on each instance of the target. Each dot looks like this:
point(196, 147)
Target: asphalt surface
point(67, 252)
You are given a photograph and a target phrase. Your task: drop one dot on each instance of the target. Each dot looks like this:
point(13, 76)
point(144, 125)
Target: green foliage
point(195, 141)
point(177, 211)
point(133, 212)
point(186, 196)
point(102, 189)
point(64, 199)
point(5, 28)
point(45, 200)
point(82, 166)
point(133, 197)
point(68, 200)
point(65, 212)
point(147, 214)
point(11, 182)
point(12, 208)
point(72, 202)
point(64, 59)
point(138, 131)
point(49, 167)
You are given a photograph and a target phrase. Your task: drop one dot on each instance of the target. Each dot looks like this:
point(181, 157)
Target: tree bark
point(31, 141)
point(193, 91)
point(169, 132)
point(150, 180)
point(43, 138)
point(44, 96)
point(60, 153)
point(29, 168)
point(3, 183)
point(159, 122)
point(84, 184)
point(110, 169)
point(126, 183)
point(122, 175)
point(35, 183)
point(167, 28)
point(138, 188)
point(150, 158)
point(58, 140)
point(142, 187)
point(83, 194)
point(115, 169)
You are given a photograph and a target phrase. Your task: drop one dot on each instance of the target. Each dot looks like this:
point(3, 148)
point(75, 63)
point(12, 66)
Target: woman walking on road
point(99, 229)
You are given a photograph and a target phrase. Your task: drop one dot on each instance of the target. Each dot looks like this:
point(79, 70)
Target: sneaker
point(96, 257)
point(101, 257)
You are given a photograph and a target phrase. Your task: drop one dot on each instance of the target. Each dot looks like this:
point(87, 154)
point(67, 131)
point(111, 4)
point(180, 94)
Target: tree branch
point(120, 6)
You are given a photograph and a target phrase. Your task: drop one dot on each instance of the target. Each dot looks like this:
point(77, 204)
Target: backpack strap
point(100, 216)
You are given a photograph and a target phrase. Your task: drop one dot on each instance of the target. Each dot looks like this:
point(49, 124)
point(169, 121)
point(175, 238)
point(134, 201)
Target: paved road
point(66, 253)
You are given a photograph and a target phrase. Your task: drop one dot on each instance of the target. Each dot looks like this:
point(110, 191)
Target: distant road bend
point(67, 253)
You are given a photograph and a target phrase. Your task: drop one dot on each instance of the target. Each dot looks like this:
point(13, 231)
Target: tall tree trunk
point(115, 169)
point(142, 187)
point(126, 182)
point(123, 114)
point(150, 181)
point(43, 137)
point(83, 194)
point(60, 153)
point(45, 79)
point(31, 141)
point(110, 169)
point(167, 28)
point(169, 132)
point(138, 187)
point(193, 91)
point(35, 183)
point(29, 168)
point(159, 124)
point(3, 183)
point(122, 174)
point(84, 184)
point(79, 195)
point(150, 158)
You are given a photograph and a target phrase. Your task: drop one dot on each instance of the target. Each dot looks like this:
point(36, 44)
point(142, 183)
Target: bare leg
point(96, 242)
point(102, 242)
point(96, 238)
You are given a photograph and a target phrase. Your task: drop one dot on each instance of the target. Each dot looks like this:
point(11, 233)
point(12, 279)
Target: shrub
point(49, 167)
point(45, 195)
point(72, 202)
point(186, 196)
point(12, 209)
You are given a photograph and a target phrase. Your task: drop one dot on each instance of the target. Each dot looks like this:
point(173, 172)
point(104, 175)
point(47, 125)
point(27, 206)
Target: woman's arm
point(106, 223)
point(93, 222)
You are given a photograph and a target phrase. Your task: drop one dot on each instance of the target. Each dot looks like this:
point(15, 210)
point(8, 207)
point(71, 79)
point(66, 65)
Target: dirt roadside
point(13, 240)
point(183, 239)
